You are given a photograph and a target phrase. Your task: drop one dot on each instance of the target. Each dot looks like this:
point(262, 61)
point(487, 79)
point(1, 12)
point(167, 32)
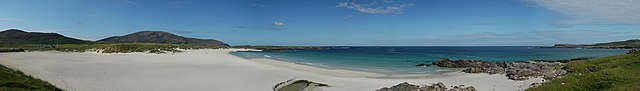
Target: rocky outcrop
point(433, 87)
point(522, 70)
point(162, 37)
point(461, 63)
point(565, 61)
point(548, 69)
point(11, 50)
point(634, 51)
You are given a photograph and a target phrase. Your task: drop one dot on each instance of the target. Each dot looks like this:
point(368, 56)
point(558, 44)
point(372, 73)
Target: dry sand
point(215, 70)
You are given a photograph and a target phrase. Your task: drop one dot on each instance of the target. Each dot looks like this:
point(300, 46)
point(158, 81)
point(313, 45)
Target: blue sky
point(337, 22)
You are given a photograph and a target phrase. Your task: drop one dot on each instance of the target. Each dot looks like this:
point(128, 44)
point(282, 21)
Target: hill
point(162, 37)
point(15, 36)
point(612, 73)
point(634, 43)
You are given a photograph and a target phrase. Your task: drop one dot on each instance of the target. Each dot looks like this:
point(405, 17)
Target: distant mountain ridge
point(16, 36)
point(633, 43)
point(162, 37)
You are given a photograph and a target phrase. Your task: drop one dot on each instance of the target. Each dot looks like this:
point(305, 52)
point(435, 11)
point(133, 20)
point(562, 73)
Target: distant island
point(628, 44)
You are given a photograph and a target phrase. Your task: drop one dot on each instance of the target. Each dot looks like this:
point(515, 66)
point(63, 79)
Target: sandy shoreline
point(214, 69)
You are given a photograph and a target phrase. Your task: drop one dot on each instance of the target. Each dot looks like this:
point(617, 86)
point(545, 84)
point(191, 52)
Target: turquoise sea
point(402, 60)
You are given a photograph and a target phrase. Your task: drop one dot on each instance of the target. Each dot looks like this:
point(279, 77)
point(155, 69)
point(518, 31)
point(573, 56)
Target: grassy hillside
point(13, 80)
point(613, 73)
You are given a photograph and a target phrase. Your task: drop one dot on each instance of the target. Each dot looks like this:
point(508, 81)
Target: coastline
point(216, 69)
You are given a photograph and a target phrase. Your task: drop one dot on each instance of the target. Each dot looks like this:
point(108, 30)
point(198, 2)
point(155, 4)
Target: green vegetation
point(112, 47)
point(13, 80)
point(613, 73)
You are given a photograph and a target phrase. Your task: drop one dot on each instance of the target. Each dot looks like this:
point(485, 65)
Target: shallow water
point(402, 60)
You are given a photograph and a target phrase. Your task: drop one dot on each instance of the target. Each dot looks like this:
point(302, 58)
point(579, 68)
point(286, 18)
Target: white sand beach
point(214, 70)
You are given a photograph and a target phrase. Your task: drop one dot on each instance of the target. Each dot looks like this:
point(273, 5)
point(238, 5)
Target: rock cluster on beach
point(460, 63)
point(634, 51)
point(513, 70)
point(11, 50)
point(433, 87)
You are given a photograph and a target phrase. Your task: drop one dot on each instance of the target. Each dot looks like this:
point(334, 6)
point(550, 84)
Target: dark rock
point(384, 89)
point(405, 87)
point(522, 70)
point(581, 58)
point(461, 63)
point(634, 51)
point(401, 87)
point(433, 87)
point(11, 50)
point(423, 65)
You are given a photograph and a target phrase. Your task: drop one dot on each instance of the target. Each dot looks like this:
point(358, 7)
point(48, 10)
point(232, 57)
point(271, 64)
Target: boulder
point(434, 87)
point(423, 65)
point(405, 87)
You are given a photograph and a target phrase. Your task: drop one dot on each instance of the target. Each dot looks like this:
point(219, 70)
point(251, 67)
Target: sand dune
point(214, 70)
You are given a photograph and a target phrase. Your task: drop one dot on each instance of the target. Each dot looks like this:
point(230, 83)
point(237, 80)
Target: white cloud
point(279, 23)
point(593, 11)
point(384, 7)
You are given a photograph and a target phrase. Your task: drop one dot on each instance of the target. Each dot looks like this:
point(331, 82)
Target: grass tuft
point(13, 80)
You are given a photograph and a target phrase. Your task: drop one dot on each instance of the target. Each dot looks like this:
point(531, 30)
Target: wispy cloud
point(182, 32)
point(279, 24)
point(129, 1)
point(177, 3)
point(347, 17)
point(543, 38)
point(96, 16)
point(375, 7)
point(593, 11)
point(10, 19)
point(52, 30)
point(259, 5)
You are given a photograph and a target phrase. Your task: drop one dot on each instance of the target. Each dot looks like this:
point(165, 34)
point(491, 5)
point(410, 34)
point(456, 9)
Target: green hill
point(162, 37)
point(613, 73)
point(15, 36)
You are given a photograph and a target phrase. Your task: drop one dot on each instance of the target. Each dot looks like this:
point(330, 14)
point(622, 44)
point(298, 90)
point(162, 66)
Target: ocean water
point(402, 60)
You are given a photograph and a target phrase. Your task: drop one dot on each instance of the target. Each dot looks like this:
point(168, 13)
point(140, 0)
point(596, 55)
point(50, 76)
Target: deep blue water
point(401, 60)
